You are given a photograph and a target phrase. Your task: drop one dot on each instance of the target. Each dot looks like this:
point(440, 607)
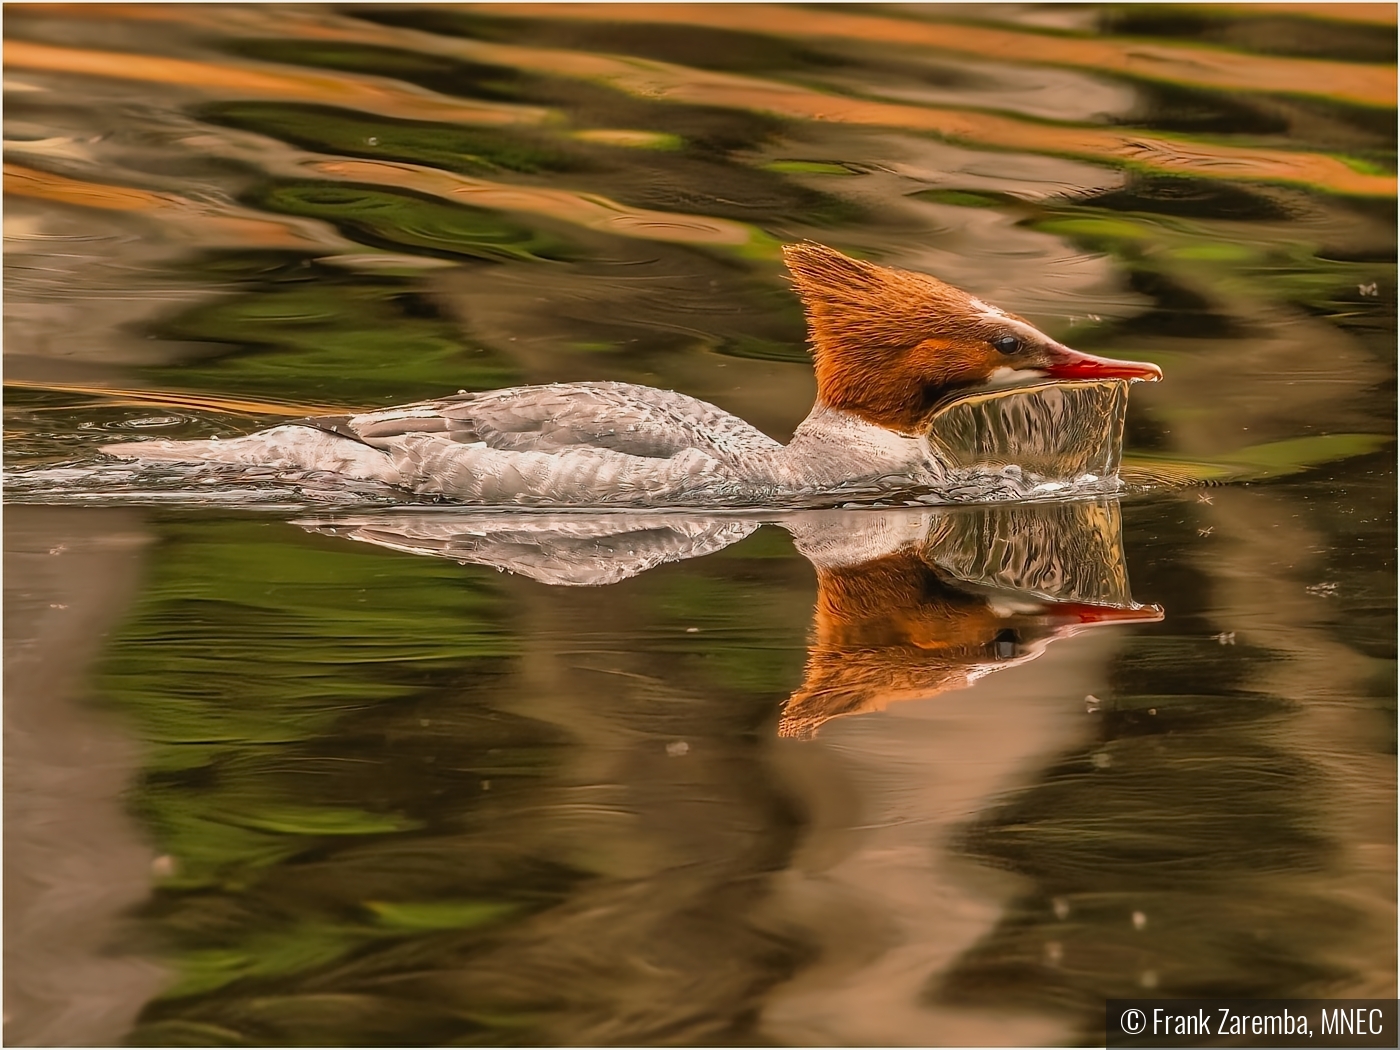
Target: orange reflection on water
point(595, 212)
point(207, 223)
point(183, 399)
point(1364, 14)
point(666, 81)
point(340, 89)
point(1198, 67)
point(44, 185)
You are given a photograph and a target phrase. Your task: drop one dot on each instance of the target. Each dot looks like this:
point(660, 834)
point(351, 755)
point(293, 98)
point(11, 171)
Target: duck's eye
point(1005, 644)
point(1007, 344)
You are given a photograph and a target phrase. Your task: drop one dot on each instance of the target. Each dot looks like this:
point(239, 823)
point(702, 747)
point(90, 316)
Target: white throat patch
point(1006, 375)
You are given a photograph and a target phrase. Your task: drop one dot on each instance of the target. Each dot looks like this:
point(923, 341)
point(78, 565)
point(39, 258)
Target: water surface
point(284, 770)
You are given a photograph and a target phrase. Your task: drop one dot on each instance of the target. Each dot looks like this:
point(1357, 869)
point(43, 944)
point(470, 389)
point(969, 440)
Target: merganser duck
point(888, 346)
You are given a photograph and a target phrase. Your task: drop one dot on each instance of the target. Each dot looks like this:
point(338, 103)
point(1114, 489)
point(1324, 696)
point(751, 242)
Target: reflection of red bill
point(1085, 614)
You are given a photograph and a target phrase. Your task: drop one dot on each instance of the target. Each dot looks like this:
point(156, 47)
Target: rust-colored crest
point(889, 343)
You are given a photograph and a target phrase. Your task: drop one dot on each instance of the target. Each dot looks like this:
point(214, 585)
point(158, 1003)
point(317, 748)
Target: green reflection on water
point(453, 76)
point(283, 691)
point(742, 659)
point(314, 332)
point(449, 146)
point(439, 915)
point(350, 802)
point(400, 219)
point(314, 624)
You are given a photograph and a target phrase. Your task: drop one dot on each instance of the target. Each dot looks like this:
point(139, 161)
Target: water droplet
point(677, 748)
point(1139, 920)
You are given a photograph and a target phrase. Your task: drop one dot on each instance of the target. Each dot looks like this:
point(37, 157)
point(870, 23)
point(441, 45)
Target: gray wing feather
point(577, 444)
point(619, 417)
point(476, 473)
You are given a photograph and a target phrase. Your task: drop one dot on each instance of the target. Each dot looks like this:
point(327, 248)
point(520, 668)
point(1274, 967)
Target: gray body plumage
point(575, 444)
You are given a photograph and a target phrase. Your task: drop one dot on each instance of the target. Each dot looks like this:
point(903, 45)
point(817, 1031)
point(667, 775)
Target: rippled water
point(287, 765)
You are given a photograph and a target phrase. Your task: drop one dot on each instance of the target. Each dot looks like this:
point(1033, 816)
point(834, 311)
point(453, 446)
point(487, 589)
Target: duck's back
point(619, 417)
point(564, 443)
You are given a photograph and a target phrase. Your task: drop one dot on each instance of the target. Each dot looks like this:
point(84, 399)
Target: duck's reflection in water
point(910, 603)
point(566, 550)
point(872, 895)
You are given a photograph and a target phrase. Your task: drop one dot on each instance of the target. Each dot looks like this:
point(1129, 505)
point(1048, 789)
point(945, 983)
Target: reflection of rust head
point(850, 682)
point(895, 628)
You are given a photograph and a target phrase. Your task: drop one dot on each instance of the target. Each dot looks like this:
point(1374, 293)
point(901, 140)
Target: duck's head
point(889, 344)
